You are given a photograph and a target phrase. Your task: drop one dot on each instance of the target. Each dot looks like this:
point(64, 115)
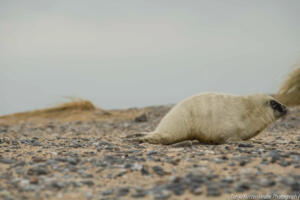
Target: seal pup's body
point(216, 118)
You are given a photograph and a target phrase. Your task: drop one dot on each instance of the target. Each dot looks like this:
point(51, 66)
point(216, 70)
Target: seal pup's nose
point(284, 110)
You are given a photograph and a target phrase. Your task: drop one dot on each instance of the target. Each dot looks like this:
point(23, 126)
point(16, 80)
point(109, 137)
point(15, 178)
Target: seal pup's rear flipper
point(136, 137)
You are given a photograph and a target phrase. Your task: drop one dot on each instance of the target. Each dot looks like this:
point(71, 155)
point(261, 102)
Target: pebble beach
point(95, 159)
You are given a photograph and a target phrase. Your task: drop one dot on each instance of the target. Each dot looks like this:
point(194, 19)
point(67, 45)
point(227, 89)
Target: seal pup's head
point(269, 105)
point(279, 109)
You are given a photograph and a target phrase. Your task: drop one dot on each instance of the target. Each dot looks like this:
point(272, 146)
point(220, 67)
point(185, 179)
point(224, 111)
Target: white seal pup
point(216, 118)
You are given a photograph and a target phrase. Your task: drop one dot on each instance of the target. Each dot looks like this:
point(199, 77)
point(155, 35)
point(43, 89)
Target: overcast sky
point(136, 53)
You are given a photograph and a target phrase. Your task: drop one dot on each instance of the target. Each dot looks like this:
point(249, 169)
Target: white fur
point(214, 118)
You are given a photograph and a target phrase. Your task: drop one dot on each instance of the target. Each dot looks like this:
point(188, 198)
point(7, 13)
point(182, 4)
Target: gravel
point(159, 170)
point(95, 160)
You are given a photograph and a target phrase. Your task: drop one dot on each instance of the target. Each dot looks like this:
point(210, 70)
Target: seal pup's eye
point(276, 106)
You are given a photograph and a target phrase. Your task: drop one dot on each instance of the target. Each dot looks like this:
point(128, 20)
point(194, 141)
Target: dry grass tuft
point(81, 110)
point(83, 105)
point(289, 93)
point(61, 111)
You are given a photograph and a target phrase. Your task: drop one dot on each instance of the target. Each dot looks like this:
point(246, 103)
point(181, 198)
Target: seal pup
point(216, 118)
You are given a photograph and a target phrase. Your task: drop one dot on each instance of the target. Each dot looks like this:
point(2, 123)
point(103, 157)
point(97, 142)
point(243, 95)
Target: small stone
point(108, 192)
point(274, 156)
point(34, 180)
point(241, 187)
point(89, 195)
point(174, 161)
point(296, 158)
point(88, 182)
point(177, 188)
point(136, 167)
point(20, 163)
point(104, 143)
point(159, 170)
point(128, 166)
point(73, 160)
point(295, 187)
point(57, 185)
point(135, 135)
point(284, 163)
point(297, 166)
point(123, 191)
point(36, 143)
point(141, 118)
point(267, 182)
point(218, 160)
point(194, 181)
point(228, 190)
point(243, 162)
point(38, 170)
point(75, 184)
point(287, 180)
point(3, 129)
point(247, 145)
point(183, 144)
point(139, 193)
point(85, 175)
point(24, 183)
point(175, 179)
point(121, 173)
point(38, 159)
point(212, 190)
point(75, 144)
point(145, 170)
point(228, 180)
point(153, 152)
point(162, 195)
point(7, 161)
point(197, 191)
